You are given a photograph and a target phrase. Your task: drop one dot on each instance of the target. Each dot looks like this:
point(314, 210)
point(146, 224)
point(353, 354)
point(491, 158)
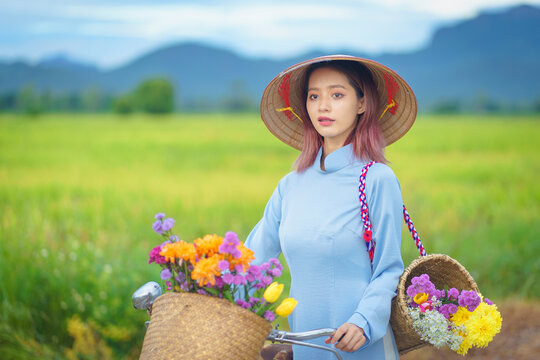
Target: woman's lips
point(325, 121)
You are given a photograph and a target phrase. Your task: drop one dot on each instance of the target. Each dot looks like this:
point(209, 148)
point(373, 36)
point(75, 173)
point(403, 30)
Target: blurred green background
point(78, 195)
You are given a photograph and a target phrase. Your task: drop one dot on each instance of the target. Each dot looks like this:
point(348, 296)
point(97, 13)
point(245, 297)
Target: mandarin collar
point(336, 160)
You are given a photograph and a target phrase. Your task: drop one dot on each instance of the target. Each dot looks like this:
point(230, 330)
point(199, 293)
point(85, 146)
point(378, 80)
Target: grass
point(78, 195)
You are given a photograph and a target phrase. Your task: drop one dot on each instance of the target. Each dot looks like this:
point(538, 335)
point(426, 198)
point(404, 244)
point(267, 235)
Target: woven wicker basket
point(443, 271)
point(193, 326)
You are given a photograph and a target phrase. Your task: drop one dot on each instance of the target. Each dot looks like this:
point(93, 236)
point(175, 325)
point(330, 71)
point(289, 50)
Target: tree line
point(157, 96)
point(153, 96)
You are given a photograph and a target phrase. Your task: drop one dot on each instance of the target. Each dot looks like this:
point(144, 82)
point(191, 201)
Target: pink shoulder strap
point(364, 213)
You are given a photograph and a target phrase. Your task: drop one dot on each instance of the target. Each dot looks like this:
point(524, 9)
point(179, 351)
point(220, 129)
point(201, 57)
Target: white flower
point(434, 328)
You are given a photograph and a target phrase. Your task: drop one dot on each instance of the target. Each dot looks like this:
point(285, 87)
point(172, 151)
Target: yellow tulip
point(421, 298)
point(272, 292)
point(286, 307)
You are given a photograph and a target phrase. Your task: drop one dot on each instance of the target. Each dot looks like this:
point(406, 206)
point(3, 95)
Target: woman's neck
point(328, 148)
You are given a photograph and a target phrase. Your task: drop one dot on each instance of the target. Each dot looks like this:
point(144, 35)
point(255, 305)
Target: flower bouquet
point(458, 319)
point(218, 304)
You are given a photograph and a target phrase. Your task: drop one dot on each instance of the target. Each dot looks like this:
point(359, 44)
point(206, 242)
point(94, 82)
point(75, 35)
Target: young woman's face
point(332, 105)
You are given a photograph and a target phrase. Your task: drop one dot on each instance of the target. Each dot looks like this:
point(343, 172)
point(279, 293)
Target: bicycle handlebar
point(285, 337)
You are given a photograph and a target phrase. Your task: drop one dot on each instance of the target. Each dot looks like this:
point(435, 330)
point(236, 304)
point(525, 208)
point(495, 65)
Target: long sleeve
point(264, 238)
point(385, 211)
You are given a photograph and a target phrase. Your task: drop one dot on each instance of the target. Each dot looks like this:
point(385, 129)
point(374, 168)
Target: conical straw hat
point(287, 126)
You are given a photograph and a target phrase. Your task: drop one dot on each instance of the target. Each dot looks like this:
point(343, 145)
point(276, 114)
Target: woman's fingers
point(338, 334)
point(352, 337)
point(349, 341)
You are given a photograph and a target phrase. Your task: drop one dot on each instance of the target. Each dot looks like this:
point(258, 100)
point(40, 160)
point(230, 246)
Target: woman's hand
point(348, 337)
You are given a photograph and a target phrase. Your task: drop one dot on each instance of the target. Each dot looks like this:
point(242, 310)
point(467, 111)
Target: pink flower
point(425, 306)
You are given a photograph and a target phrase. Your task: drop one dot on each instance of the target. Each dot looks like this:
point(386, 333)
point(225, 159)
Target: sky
point(109, 33)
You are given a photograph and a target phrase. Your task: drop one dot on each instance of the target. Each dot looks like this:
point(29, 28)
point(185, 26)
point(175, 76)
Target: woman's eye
point(313, 97)
point(337, 95)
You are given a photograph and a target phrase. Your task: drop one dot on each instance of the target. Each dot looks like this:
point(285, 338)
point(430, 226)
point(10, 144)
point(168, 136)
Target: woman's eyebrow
point(331, 87)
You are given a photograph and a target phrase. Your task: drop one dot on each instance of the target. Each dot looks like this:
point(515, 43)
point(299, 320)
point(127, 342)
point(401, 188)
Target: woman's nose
point(324, 104)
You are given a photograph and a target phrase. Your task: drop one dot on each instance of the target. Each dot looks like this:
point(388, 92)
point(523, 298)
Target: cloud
point(258, 28)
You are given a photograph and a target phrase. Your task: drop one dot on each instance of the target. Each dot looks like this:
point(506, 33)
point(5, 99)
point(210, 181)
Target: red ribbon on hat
point(391, 88)
point(283, 92)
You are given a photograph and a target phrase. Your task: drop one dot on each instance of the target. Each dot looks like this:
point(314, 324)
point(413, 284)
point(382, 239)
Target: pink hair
point(366, 138)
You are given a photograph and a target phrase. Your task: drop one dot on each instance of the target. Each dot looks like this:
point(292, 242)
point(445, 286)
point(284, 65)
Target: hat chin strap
point(389, 106)
point(292, 111)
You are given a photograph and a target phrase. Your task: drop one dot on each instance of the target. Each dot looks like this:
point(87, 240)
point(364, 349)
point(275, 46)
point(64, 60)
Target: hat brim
point(290, 130)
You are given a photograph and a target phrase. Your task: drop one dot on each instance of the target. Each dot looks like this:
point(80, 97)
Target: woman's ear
point(361, 105)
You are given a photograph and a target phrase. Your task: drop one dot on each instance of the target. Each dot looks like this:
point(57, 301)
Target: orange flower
point(178, 250)
point(206, 270)
point(246, 257)
point(208, 245)
point(169, 252)
point(185, 250)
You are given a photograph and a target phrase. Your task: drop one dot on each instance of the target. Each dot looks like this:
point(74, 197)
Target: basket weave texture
point(443, 271)
point(193, 326)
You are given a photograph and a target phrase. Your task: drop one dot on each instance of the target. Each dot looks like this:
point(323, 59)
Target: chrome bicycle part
point(285, 337)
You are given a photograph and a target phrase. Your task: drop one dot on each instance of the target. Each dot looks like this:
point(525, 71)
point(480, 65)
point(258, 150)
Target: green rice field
point(78, 195)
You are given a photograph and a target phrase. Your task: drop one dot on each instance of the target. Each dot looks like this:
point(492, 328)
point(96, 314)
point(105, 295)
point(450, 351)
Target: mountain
point(494, 55)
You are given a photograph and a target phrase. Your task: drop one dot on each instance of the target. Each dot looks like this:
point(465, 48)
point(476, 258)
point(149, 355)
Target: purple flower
point(269, 316)
point(254, 270)
point(250, 278)
point(174, 238)
point(264, 282)
point(223, 265)
point(421, 284)
point(239, 280)
point(276, 263)
point(167, 224)
point(254, 300)
point(243, 304)
point(447, 310)
point(231, 236)
point(184, 286)
point(230, 242)
point(228, 278)
point(453, 293)
point(219, 282)
point(165, 274)
point(157, 227)
point(169, 285)
point(469, 299)
point(159, 216)
point(487, 301)
point(180, 278)
point(239, 268)
point(275, 272)
point(201, 292)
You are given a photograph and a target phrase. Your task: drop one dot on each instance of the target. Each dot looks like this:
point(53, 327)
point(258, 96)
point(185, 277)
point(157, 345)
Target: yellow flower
point(421, 298)
point(465, 345)
point(208, 245)
point(484, 323)
point(286, 307)
point(206, 270)
point(272, 292)
point(461, 316)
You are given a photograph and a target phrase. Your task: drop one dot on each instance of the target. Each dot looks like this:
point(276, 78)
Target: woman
point(340, 111)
